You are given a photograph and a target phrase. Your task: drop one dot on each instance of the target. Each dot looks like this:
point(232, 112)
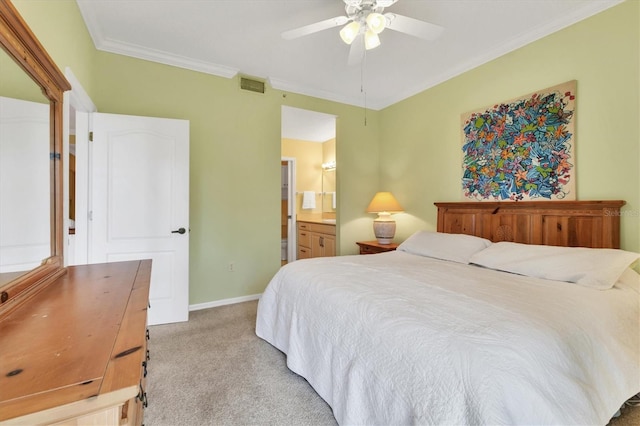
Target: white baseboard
point(223, 302)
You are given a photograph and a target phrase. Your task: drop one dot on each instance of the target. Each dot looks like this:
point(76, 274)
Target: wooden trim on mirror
point(22, 45)
point(17, 39)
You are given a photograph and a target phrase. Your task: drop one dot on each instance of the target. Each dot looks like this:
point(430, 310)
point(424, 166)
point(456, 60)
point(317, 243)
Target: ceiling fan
point(363, 23)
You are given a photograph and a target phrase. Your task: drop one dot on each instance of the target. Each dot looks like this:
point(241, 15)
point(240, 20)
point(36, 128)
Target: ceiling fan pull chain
point(362, 90)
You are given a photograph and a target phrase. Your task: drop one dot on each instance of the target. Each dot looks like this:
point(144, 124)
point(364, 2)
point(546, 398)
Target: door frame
point(292, 237)
point(77, 100)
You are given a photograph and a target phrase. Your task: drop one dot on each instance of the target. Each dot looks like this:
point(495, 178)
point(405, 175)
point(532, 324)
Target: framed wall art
point(521, 149)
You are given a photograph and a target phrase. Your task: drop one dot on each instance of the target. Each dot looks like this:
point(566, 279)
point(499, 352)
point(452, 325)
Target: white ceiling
point(226, 37)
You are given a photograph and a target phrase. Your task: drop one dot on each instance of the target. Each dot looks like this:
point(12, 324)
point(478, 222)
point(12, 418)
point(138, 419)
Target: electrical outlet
point(231, 267)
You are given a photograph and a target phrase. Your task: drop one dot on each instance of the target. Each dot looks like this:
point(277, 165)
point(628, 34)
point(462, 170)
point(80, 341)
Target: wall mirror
point(25, 181)
point(31, 91)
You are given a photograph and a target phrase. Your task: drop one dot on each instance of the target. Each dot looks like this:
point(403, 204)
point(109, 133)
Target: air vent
point(252, 85)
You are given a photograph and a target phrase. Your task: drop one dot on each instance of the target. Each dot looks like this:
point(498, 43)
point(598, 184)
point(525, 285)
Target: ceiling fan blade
point(314, 28)
point(385, 3)
point(414, 27)
point(356, 52)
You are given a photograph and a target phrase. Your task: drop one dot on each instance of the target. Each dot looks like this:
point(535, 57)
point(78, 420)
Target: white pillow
point(454, 247)
point(631, 279)
point(590, 267)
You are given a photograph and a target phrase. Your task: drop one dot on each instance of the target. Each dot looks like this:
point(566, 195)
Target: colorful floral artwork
point(522, 149)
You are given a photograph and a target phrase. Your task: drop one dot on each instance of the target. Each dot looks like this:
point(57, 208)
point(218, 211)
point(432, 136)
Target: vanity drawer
point(304, 226)
point(316, 239)
point(304, 238)
point(322, 228)
point(304, 252)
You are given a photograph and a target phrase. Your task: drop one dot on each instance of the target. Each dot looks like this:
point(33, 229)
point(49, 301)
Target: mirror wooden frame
point(17, 39)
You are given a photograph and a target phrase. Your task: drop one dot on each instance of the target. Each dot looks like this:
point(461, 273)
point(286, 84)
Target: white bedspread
point(395, 338)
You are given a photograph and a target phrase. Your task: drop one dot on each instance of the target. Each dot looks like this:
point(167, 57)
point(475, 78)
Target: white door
point(140, 204)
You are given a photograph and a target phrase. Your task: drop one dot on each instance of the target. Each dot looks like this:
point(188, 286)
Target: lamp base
point(384, 230)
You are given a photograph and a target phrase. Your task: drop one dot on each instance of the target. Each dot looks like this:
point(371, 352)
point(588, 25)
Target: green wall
point(61, 30)
point(421, 136)
point(235, 166)
point(17, 84)
point(235, 137)
point(235, 151)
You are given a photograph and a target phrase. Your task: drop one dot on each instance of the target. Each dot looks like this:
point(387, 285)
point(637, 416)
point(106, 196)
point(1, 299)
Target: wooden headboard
point(593, 224)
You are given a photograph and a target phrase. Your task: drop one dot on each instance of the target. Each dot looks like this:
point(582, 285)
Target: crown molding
point(165, 58)
point(292, 87)
point(590, 9)
point(113, 46)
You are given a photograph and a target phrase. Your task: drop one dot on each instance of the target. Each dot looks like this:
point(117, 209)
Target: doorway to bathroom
point(308, 164)
point(288, 211)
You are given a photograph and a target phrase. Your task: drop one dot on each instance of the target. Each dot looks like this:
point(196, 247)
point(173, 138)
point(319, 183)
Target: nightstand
point(372, 247)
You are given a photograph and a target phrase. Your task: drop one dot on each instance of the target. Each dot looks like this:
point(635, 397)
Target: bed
point(500, 317)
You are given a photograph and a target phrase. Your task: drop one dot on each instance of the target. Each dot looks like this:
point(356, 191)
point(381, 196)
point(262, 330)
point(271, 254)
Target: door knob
point(179, 231)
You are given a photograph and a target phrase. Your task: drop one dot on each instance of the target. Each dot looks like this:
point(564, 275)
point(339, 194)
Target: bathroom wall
point(309, 157)
point(329, 180)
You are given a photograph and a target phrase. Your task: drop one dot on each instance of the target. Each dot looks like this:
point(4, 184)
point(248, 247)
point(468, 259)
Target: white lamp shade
point(376, 22)
point(371, 40)
point(349, 32)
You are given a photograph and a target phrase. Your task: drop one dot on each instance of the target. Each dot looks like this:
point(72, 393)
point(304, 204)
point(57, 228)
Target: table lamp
point(384, 227)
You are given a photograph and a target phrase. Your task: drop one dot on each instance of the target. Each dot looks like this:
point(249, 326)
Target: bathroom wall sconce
point(330, 165)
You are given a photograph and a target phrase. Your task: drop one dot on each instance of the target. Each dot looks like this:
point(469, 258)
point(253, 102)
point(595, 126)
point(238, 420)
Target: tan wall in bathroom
point(308, 157)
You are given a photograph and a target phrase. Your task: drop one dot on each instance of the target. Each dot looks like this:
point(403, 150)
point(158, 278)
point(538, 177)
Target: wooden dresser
point(77, 352)
point(316, 240)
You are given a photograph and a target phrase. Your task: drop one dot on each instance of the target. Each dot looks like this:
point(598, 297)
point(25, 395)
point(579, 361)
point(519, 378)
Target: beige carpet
point(213, 370)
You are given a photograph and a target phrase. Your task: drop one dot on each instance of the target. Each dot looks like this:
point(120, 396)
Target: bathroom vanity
point(316, 237)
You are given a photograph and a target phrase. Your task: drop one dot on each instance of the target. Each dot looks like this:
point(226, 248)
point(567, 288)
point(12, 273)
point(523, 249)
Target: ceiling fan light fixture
point(376, 22)
point(371, 40)
point(349, 32)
